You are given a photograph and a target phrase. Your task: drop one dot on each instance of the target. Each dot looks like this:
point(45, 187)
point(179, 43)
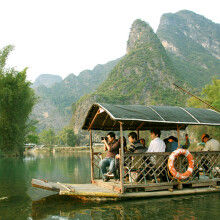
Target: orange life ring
point(172, 169)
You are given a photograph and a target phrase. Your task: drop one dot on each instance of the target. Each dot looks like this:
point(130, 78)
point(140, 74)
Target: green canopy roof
point(107, 116)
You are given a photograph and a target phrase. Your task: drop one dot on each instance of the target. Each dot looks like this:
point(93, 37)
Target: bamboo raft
point(139, 176)
point(108, 191)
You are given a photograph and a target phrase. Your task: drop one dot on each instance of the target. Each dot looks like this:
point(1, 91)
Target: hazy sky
point(68, 36)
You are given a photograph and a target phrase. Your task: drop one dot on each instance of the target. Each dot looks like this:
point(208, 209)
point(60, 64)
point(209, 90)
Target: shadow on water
point(184, 207)
point(14, 200)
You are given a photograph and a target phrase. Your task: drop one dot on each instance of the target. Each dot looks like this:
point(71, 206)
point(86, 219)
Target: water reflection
point(18, 200)
point(184, 207)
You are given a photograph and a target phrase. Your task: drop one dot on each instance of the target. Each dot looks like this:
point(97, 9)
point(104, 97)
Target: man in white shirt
point(156, 145)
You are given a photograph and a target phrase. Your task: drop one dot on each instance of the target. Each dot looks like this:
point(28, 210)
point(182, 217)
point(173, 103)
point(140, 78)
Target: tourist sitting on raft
point(156, 145)
point(135, 145)
point(210, 143)
point(142, 141)
point(112, 147)
point(173, 143)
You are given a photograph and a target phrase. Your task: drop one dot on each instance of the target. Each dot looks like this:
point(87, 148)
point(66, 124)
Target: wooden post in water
point(91, 156)
point(121, 152)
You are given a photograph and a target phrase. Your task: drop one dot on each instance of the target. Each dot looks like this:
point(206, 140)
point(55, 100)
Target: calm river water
point(18, 200)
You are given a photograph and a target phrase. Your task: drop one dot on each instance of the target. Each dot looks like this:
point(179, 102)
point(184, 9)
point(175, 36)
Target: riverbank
point(60, 149)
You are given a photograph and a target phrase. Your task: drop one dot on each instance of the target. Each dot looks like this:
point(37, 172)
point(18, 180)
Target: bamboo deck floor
point(111, 190)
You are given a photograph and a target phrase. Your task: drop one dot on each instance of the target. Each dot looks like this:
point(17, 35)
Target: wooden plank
point(89, 187)
point(89, 194)
point(210, 181)
point(204, 184)
point(66, 187)
point(108, 185)
point(43, 184)
point(150, 185)
point(169, 193)
point(156, 188)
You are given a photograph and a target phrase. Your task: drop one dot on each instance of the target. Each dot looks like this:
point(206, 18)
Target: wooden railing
point(148, 169)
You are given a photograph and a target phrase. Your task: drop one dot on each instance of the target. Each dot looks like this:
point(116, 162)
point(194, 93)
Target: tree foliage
point(48, 137)
point(65, 137)
point(211, 95)
point(16, 102)
point(31, 134)
point(68, 137)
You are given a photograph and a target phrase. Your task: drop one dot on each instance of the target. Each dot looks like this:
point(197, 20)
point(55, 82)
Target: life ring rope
point(175, 154)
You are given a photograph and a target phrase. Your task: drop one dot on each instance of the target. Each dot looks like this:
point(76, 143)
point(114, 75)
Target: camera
point(104, 138)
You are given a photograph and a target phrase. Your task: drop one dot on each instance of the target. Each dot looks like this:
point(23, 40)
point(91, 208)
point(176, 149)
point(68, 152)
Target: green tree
point(48, 136)
point(31, 135)
point(16, 102)
point(71, 138)
point(211, 95)
point(68, 137)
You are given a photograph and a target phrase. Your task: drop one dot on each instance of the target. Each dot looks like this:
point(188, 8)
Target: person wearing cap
point(156, 145)
point(210, 143)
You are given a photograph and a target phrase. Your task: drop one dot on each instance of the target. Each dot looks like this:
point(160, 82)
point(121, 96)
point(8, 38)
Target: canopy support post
point(91, 156)
point(138, 135)
point(138, 128)
point(89, 128)
point(180, 185)
point(121, 152)
point(178, 135)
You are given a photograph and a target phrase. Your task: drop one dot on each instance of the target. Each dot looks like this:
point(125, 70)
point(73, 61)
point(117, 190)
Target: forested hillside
point(144, 76)
point(56, 97)
point(193, 44)
point(185, 50)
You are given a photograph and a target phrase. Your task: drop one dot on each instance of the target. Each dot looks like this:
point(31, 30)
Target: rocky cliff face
point(144, 76)
point(56, 96)
point(193, 44)
point(49, 116)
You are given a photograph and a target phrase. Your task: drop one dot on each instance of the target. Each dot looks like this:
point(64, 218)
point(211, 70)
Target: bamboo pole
point(197, 98)
point(121, 159)
point(91, 156)
point(93, 120)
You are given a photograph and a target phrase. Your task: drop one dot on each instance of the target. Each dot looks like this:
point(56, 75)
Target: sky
point(61, 37)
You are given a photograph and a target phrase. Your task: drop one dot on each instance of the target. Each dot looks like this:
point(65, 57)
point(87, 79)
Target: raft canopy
point(139, 117)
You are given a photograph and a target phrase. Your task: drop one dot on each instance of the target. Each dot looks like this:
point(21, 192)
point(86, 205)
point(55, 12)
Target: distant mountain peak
point(47, 80)
point(141, 34)
point(192, 43)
